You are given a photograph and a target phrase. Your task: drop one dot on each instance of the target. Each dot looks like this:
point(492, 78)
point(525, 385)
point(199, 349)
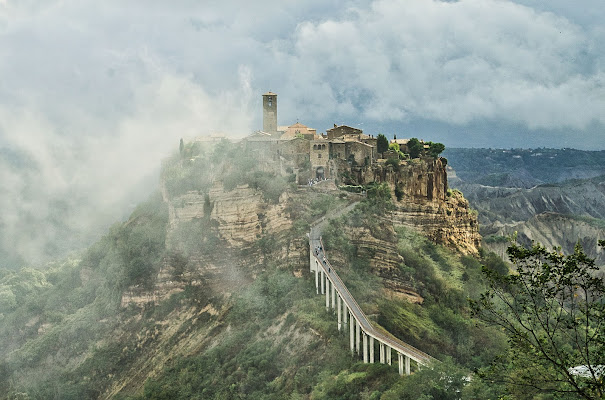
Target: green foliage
point(415, 147)
point(362, 381)
point(552, 311)
point(395, 147)
point(197, 236)
point(382, 143)
point(379, 197)
point(435, 149)
point(270, 185)
point(399, 192)
point(442, 381)
point(394, 163)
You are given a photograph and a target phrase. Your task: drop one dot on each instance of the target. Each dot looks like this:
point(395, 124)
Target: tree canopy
point(552, 309)
point(415, 147)
point(382, 143)
point(435, 149)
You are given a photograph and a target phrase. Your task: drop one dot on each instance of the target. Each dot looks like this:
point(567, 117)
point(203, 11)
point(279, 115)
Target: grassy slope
point(65, 336)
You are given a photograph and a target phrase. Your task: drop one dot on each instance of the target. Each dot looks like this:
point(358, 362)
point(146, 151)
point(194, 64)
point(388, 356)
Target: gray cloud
point(456, 63)
point(96, 93)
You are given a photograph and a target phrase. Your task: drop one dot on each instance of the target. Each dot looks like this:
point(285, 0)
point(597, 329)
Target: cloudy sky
point(94, 94)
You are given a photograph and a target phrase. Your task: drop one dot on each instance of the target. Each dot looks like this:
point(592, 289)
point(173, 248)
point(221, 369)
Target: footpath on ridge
point(317, 251)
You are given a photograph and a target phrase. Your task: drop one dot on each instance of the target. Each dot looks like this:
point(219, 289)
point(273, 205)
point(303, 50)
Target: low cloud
point(94, 95)
point(454, 62)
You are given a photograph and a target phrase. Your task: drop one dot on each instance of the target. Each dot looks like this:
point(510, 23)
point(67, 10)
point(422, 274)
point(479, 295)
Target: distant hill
point(524, 167)
point(553, 196)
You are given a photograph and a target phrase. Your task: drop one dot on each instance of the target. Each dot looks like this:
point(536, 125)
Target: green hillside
point(253, 328)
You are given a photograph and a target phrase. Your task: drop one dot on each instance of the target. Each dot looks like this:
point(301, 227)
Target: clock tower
point(270, 113)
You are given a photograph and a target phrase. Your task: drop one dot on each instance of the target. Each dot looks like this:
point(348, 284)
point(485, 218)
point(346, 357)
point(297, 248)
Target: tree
point(435, 149)
point(415, 148)
point(382, 143)
point(552, 310)
point(181, 147)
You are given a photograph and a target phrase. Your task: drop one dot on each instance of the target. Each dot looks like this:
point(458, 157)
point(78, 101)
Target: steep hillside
point(530, 192)
point(553, 230)
point(205, 292)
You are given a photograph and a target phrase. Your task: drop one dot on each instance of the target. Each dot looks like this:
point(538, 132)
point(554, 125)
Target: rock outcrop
point(423, 201)
point(241, 214)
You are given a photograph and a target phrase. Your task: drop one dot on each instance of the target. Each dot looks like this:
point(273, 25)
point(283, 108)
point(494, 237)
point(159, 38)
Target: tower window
point(270, 102)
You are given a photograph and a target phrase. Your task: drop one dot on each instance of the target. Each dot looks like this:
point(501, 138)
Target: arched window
point(314, 147)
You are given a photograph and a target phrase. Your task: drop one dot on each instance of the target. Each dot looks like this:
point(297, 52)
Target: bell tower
point(270, 113)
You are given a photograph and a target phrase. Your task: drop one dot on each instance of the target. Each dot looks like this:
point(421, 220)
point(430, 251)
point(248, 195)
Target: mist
point(94, 95)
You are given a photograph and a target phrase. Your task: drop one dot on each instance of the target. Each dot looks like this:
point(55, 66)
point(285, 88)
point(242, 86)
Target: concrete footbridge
point(363, 336)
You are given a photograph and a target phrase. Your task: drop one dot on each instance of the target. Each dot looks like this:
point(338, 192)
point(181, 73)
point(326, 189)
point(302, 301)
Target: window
point(319, 155)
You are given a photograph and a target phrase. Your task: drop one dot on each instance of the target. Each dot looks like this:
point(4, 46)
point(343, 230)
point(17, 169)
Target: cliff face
point(221, 229)
point(423, 202)
point(214, 235)
point(241, 215)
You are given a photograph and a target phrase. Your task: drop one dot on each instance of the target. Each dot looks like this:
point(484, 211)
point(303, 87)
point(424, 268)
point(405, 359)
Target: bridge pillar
point(381, 352)
point(339, 307)
point(316, 279)
point(352, 335)
point(365, 348)
point(327, 293)
point(333, 297)
point(407, 365)
point(371, 350)
point(345, 312)
point(323, 281)
point(388, 349)
point(357, 333)
point(400, 363)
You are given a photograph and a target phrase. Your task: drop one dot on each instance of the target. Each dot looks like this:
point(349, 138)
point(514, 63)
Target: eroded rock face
point(424, 204)
point(241, 215)
point(380, 247)
point(237, 219)
point(446, 222)
point(553, 230)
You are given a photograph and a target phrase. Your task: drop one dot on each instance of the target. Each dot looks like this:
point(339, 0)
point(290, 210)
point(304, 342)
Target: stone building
point(303, 146)
point(339, 131)
point(270, 113)
point(299, 130)
point(319, 152)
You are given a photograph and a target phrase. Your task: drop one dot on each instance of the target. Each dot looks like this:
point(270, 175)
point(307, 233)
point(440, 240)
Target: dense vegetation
point(64, 333)
point(53, 317)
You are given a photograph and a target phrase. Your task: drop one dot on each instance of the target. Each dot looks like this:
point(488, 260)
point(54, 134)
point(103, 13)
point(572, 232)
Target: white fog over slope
point(94, 94)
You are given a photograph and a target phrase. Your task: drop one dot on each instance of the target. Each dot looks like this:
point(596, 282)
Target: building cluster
point(320, 153)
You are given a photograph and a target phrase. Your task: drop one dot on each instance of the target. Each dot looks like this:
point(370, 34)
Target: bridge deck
point(355, 309)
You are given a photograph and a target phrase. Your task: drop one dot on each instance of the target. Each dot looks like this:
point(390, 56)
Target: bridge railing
point(390, 340)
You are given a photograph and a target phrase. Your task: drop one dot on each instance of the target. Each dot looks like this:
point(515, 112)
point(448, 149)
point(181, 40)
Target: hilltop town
point(323, 156)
